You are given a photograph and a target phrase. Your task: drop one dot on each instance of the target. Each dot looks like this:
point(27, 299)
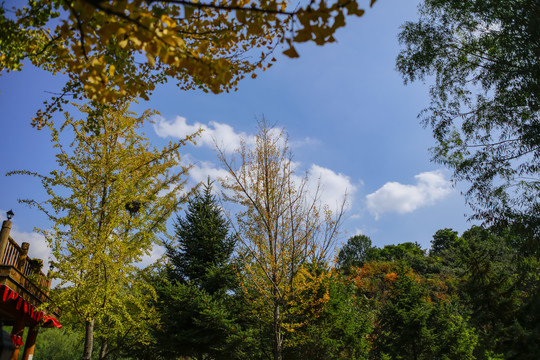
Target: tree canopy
point(443, 239)
point(115, 50)
point(108, 201)
point(485, 99)
point(355, 252)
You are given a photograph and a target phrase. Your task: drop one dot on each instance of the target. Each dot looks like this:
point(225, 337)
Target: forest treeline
point(470, 296)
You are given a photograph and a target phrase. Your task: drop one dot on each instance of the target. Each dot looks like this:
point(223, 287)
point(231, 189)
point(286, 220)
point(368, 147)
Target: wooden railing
point(12, 253)
point(17, 257)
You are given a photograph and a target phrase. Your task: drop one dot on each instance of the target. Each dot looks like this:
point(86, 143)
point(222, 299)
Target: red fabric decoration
point(50, 321)
point(16, 340)
point(9, 295)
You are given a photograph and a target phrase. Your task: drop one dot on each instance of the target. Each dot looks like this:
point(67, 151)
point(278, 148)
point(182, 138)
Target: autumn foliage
point(117, 50)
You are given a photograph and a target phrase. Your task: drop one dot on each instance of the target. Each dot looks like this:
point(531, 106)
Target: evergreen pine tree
point(197, 297)
point(202, 252)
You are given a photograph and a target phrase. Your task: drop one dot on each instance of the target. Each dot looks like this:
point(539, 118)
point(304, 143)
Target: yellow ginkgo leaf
point(291, 52)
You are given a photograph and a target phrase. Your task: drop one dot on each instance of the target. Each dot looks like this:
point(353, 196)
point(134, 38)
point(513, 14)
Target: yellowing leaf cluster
point(285, 235)
point(108, 202)
point(120, 49)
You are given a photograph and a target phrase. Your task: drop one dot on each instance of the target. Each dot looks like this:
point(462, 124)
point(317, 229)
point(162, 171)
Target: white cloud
point(395, 197)
point(202, 170)
point(222, 135)
point(359, 231)
point(333, 186)
point(215, 133)
point(155, 254)
point(304, 142)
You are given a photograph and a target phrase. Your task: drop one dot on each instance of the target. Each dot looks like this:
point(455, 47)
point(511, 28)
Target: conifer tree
point(196, 299)
point(203, 244)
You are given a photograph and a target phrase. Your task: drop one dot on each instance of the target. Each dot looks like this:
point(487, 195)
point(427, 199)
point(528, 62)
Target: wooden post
point(30, 344)
point(4, 238)
point(22, 257)
point(18, 329)
point(49, 281)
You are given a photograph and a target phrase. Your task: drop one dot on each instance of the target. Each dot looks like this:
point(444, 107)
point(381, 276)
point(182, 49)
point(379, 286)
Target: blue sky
point(350, 118)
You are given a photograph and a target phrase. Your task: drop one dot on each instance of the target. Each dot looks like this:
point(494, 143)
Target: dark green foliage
point(485, 100)
point(407, 253)
point(198, 324)
point(485, 115)
point(339, 332)
point(528, 317)
point(484, 58)
point(54, 344)
point(443, 239)
point(413, 324)
point(500, 287)
point(397, 252)
point(475, 296)
point(354, 252)
point(196, 300)
point(202, 252)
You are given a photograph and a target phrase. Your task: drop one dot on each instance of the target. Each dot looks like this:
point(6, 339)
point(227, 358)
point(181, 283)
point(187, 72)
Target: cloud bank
point(399, 198)
point(203, 170)
point(215, 133)
point(222, 135)
point(332, 186)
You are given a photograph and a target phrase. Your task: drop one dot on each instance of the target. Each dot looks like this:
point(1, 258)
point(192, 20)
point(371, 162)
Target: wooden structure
point(23, 288)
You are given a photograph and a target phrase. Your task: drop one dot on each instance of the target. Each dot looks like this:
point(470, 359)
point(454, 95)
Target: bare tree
point(282, 226)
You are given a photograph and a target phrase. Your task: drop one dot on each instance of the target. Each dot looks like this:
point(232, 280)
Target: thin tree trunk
point(103, 351)
point(278, 340)
point(88, 340)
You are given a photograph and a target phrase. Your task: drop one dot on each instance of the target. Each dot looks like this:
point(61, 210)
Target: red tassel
point(16, 340)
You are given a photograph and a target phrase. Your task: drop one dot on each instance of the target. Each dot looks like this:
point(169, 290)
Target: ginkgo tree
point(108, 201)
point(285, 234)
point(118, 49)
